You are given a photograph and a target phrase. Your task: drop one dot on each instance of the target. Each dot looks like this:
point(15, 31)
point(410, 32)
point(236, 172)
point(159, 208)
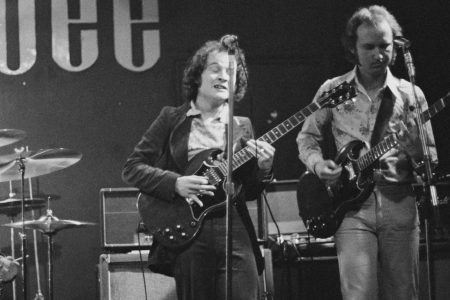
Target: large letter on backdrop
point(60, 31)
point(125, 28)
point(27, 37)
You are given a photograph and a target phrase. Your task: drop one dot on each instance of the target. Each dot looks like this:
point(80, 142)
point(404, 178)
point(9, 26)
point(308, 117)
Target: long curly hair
point(197, 64)
point(372, 15)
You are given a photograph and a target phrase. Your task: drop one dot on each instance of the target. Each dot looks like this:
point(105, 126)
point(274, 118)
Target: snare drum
point(8, 268)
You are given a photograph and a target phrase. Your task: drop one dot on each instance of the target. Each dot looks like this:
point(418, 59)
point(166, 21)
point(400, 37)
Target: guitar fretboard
point(378, 151)
point(244, 155)
point(434, 109)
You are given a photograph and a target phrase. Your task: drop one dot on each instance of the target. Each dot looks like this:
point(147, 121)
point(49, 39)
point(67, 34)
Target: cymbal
point(37, 163)
point(47, 196)
point(13, 206)
point(10, 136)
point(49, 224)
point(18, 201)
point(39, 196)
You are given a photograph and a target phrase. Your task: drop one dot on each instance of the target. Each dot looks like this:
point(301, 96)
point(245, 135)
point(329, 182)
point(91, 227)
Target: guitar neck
point(244, 155)
point(378, 151)
point(391, 141)
point(434, 109)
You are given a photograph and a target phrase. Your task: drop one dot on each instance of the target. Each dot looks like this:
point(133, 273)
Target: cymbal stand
point(49, 235)
point(23, 236)
point(50, 264)
point(39, 295)
point(13, 247)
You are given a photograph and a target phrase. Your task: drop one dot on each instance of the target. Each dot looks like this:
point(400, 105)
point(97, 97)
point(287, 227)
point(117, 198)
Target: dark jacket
point(161, 157)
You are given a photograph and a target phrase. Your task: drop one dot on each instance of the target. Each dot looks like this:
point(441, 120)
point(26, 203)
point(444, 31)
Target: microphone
point(401, 42)
point(229, 41)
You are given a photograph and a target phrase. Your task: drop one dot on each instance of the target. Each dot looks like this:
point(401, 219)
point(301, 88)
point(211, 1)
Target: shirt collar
point(391, 82)
point(222, 113)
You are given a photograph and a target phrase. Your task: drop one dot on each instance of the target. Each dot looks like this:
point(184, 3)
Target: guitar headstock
point(446, 99)
point(338, 95)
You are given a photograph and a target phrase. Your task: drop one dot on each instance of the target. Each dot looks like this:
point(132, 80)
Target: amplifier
point(120, 220)
point(125, 277)
point(281, 199)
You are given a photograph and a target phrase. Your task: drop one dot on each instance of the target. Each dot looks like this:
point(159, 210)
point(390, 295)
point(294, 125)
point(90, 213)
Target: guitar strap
point(383, 116)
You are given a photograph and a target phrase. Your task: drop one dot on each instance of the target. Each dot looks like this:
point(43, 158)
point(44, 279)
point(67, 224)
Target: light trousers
point(378, 247)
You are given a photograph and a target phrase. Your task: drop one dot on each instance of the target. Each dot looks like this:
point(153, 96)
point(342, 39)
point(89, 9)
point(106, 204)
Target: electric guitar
point(323, 207)
point(176, 223)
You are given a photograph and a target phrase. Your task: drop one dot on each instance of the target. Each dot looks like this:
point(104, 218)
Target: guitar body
point(322, 207)
point(175, 223)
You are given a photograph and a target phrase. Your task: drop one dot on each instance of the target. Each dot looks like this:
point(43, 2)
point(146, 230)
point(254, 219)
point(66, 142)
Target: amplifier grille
point(120, 219)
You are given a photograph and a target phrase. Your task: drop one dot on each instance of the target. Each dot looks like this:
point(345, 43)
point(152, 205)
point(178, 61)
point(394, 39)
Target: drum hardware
point(27, 164)
point(49, 225)
point(7, 137)
point(39, 295)
point(13, 250)
point(11, 207)
point(10, 136)
point(8, 268)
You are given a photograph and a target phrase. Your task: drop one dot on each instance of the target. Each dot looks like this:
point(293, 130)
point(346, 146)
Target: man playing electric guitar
point(377, 243)
point(158, 167)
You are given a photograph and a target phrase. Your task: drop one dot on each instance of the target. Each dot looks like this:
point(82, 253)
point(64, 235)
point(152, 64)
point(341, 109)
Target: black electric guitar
point(176, 223)
point(322, 207)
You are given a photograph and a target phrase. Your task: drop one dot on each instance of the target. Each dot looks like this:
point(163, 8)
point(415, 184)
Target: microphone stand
point(428, 184)
point(229, 186)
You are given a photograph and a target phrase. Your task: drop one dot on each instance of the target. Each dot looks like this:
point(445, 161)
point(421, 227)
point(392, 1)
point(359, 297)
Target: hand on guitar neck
point(407, 139)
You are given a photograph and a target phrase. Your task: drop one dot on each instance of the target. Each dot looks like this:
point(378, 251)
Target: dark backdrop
point(291, 47)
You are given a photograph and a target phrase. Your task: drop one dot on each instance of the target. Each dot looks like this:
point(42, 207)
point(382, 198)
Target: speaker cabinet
point(120, 220)
point(121, 278)
point(280, 199)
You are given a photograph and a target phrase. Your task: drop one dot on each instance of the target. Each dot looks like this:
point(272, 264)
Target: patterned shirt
point(355, 121)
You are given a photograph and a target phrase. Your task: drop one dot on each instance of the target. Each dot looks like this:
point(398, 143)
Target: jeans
point(200, 269)
point(378, 247)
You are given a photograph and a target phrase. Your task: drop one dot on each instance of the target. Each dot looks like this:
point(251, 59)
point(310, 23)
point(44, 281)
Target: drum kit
point(26, 165)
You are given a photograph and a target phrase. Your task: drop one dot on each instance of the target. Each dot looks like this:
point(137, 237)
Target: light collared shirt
point(209, 133)
point(355, 121)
